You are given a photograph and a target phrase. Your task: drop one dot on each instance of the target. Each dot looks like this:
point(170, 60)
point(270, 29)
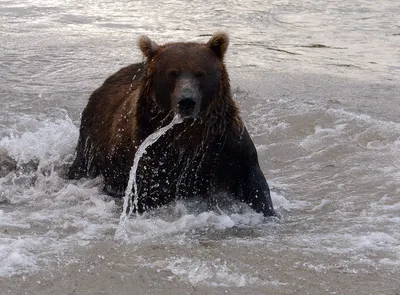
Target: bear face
point(185, 88)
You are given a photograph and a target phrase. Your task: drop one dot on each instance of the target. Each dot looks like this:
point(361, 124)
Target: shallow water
point(318, 87)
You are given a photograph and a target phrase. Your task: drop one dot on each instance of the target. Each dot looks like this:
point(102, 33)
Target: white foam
point(391, 262)
point(7, 221)
point(143, 228)
point(51, 214)
point(181, 217)
point(355, 247)
point(45, 143)
point(18, 255)
point(282, 204)
point(320, 206)
point(214, 272)
point(322, 137)
point(382, 125)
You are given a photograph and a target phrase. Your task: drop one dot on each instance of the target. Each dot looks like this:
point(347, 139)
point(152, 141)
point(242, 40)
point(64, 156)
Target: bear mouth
point(187, 108)
point(184, 114)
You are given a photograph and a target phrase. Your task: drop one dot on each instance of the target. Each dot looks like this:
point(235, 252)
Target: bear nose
point(188, 98)
point(186, 103)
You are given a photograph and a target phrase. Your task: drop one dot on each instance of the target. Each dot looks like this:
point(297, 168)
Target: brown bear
point(209, 153)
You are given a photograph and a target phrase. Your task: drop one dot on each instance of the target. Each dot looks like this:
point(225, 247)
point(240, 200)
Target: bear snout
point(188, 100)
point(186, 106)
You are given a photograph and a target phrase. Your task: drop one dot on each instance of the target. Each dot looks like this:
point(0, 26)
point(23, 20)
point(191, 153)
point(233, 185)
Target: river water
point(318, 84)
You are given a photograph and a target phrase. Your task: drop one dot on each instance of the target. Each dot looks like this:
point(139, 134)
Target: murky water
point(318, 84)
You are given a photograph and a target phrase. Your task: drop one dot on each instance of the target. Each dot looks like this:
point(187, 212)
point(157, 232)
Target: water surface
point(318, 87)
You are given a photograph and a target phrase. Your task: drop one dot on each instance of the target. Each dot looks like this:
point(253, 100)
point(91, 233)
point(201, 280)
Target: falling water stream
point(131, 195)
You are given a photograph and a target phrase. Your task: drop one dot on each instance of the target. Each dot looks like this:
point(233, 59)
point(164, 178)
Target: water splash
point(131, 197)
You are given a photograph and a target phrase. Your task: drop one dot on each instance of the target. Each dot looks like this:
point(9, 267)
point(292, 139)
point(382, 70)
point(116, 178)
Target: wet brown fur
point(125, 110)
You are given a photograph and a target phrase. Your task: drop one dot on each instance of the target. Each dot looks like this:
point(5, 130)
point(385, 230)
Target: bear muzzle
point(187, 107)
point(188, 101)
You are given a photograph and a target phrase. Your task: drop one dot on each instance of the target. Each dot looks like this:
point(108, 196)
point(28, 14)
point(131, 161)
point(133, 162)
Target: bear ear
point(148, 47)
point(219, 43)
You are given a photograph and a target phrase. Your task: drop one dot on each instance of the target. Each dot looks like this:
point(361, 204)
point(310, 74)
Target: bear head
point(186, 77)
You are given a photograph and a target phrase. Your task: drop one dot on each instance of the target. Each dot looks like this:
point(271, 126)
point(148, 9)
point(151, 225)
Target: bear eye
point(173, 74)
point(200, 74)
